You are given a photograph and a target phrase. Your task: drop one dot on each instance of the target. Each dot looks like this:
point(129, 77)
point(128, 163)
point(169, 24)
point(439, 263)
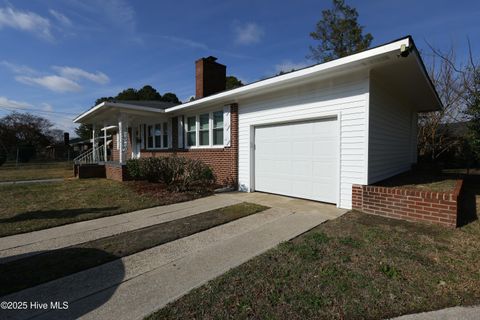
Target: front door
point(136, 143)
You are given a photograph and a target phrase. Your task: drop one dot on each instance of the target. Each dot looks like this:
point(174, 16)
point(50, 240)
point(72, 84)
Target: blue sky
point(59, 56)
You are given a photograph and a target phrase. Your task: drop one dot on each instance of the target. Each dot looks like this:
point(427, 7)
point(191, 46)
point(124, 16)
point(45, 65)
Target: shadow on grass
point(47, 266)
point(56, 214)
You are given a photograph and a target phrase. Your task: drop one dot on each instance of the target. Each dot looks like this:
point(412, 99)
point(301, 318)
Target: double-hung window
point(191, 131)
point(157, 136)
point(217, 128)
point(205, 130)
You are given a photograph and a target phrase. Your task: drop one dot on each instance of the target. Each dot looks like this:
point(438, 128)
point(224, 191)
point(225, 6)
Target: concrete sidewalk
point(136, 285)
point(21, 245)
point(455, 313)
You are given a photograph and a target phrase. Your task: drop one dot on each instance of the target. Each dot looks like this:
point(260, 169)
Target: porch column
point(105, 142)
point(133, 139)
point(123, 132)
point(95, 142)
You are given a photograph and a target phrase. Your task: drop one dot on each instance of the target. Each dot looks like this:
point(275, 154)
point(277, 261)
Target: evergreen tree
point(339, 33)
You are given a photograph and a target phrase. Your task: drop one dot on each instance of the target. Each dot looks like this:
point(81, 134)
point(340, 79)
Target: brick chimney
point(210, 77)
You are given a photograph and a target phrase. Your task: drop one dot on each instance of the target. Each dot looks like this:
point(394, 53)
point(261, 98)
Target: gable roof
point(403, 47)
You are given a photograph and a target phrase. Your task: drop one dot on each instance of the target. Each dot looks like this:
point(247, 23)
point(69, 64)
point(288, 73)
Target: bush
point(3, 158)
point(133, 169)
point(177, 173)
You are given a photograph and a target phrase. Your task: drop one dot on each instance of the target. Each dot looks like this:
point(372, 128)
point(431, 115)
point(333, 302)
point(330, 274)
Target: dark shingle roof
point(151, 104)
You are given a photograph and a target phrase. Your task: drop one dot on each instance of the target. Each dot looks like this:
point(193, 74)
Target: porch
point(120, 131)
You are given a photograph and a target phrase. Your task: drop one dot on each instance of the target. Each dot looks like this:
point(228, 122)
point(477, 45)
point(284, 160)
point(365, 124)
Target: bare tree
point(434, 136)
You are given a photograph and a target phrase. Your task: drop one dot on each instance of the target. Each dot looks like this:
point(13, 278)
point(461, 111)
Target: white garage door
point(298, 159)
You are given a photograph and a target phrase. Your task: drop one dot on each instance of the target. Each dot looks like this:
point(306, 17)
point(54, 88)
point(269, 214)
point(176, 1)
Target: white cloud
point(186, 42)
point(248, 33)
point(26, 21)
point(46, 107)
point(77, 74)
point(18, 69)
point(52, 82)
point(63, 19)
point(66, 79)
point(12, 104)
point(287, 66)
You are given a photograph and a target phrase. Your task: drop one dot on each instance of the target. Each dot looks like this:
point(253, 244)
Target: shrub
point(178, 173)
point(133, 169)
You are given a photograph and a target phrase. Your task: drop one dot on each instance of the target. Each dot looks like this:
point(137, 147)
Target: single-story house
point(310, 133)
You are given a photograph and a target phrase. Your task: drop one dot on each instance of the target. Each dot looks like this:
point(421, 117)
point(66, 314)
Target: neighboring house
point(310, 133)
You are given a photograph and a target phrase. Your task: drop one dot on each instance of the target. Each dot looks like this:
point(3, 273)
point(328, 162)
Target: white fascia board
point(106, 104)
point(296, 75)
point(83, 115)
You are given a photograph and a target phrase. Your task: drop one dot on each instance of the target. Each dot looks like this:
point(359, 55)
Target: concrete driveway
point(137, 285)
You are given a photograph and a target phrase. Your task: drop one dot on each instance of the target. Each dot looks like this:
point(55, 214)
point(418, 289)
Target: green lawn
point(30, 271)
point(34, 171)
point(358, 266)
point(29, 207)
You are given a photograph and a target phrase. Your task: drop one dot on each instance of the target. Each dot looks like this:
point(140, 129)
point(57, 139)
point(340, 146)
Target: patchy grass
point(36, 171)
point(358, 266)
point(34, 270)
point(29, 207)
point(422, 180)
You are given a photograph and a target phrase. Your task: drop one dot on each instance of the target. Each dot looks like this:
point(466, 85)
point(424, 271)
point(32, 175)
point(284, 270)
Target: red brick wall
point(116, 152)
point(224, 161)
point(408, 204)
point(116, 172)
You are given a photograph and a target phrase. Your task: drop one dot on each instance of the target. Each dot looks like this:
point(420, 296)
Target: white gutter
point(296, 75)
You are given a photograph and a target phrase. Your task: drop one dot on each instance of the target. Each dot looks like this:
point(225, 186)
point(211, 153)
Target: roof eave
point(296, 75)
point(107, 104)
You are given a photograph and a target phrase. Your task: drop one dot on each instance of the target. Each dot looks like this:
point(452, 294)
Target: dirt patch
point(164, 196)
point(422, 180)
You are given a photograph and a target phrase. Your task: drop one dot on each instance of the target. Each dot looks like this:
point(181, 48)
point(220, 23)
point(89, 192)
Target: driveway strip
point(136, 285)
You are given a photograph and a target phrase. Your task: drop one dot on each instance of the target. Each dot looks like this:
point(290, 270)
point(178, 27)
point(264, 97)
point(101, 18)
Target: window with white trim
point(191, 131)
point(217, 128)
point(205, 130)
point(157, 136)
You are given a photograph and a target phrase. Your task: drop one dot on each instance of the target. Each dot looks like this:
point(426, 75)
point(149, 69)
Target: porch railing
point(91, 156)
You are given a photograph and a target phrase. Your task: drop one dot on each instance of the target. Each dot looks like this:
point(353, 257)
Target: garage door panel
point(298, 159)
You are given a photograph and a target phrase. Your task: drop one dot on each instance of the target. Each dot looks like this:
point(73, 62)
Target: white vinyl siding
point(392, 133)
point(344, 97)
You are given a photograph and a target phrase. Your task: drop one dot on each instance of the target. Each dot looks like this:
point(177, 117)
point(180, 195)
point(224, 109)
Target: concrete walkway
point(455, 313)
point(136, 285)
point(7, 183)
point(18, 246)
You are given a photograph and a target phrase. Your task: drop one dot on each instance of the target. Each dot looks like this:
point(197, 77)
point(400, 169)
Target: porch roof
point(104, 110)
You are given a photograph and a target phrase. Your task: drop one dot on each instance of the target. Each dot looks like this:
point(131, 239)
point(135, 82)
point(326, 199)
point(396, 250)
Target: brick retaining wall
point(115, 171)
point(86, 171)
point(409, 204)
